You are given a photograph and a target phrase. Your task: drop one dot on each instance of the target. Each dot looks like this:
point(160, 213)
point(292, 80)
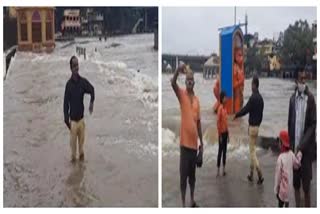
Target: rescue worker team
point(297, 144)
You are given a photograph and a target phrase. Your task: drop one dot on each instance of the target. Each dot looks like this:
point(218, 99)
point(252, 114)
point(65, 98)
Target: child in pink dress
point(284, 170)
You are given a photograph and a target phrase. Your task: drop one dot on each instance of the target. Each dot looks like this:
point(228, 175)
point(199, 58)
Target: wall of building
point(28, 44)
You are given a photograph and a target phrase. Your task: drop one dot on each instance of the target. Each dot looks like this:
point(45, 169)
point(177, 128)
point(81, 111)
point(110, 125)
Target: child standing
point(284, 169)
point(222, 125)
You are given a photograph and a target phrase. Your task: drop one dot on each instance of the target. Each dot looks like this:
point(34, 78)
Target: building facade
point(71, 24)
point(92, 22)
point(35, 28)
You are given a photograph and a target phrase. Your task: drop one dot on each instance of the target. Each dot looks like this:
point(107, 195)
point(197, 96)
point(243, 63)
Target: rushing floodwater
point(121, 135)
point(233, 190)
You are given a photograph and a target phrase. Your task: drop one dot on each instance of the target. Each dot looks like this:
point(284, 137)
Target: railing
point(81, 51)
point(210, 73)
point(9, 54)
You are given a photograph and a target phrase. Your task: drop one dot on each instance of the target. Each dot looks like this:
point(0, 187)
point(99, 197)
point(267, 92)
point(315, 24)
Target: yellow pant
point(77, 134)
point(253, 133)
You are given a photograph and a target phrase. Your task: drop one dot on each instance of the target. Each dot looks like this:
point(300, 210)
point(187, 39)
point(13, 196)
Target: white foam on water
point(112, 66)
point(168, 137)
point(238, 151)
point(147, 87)
point(149, 148)
point(170, 143)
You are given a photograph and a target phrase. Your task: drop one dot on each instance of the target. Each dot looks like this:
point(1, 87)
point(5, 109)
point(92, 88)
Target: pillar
point(53, 24)
point(18, 27)
point(29, 25)
point(43, 25)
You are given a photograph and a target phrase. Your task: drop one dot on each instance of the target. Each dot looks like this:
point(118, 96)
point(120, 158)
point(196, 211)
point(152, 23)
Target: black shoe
point(194, 205)
point(81, 157)
point(260, 181)
point(250, 178)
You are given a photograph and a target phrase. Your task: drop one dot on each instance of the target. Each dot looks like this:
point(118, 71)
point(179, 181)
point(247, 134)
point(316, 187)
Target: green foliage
point(254, 60)
point(297, 41)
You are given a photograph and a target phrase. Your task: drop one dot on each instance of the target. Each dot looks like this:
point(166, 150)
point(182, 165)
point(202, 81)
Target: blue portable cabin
point(227, 44)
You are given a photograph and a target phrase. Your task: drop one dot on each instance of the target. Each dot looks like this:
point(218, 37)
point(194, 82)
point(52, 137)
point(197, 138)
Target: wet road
point(120, 167)
point(233, 190)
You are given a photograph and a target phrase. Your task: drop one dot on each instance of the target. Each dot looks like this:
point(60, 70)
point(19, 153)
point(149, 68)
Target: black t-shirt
point(254, 107)
point(73, 107)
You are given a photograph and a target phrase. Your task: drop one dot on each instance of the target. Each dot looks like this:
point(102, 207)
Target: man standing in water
point(302, 121)
point(190, 130)
point(73, 108)
point(254, 107)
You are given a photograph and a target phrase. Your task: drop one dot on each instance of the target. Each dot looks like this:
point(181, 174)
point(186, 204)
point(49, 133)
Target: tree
point(254, 60)
point(297, 42)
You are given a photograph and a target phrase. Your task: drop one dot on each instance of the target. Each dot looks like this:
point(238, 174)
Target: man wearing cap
point(302, 121)
point(190, 130)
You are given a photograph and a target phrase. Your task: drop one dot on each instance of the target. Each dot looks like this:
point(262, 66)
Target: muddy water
point(233, 190)
point(120, 167)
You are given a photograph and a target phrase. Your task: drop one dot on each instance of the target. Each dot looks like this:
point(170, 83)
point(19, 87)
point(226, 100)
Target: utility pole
point(246, 24)
point(145, 19)
point(235, 15)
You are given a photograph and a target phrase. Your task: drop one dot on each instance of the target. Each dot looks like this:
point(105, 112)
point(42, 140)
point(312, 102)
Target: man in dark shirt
point(254, 107)
point(73, 107)
point(302, 122)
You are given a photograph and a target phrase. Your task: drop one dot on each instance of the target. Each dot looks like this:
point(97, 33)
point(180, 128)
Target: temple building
point(35, 28)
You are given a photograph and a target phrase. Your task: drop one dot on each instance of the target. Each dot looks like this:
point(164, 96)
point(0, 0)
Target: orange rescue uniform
point(190, 114)
point(222, 120)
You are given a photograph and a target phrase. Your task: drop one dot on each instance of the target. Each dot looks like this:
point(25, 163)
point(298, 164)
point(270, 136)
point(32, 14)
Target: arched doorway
point(36, 27)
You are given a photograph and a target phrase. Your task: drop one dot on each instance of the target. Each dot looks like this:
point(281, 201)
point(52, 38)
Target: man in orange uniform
point(238, 80)
point(190, 130)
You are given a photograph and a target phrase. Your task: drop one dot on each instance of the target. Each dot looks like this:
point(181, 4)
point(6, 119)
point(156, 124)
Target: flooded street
point(233, 190)
point(121, 146)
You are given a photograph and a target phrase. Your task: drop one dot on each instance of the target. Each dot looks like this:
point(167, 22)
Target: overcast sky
point(189, 30)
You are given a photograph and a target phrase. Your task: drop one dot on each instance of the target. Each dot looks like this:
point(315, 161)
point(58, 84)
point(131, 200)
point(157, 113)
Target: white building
point(71, 23)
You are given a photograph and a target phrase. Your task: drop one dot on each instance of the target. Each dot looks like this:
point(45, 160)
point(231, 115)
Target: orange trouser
point(237, 101)
point(77, 135)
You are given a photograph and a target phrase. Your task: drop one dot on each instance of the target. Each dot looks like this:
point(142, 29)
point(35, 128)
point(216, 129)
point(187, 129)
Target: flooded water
point(234, 190)
point(120, 167)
